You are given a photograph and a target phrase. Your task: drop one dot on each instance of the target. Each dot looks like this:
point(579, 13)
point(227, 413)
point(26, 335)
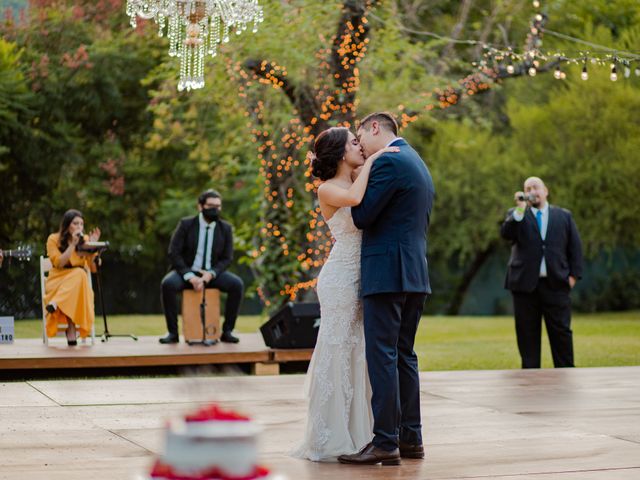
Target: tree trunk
point(461, 290)
point(487, 28)
point(465, 9)
point(316, 108)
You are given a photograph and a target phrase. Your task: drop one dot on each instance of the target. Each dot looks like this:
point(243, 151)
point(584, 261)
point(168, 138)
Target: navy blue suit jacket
point(394, 217)
point(562, 250)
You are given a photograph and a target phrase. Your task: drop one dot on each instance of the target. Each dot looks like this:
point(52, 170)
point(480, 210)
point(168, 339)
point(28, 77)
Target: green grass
point(453, 343)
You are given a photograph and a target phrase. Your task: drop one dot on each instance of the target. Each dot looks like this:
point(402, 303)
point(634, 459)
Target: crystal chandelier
point(195, 28)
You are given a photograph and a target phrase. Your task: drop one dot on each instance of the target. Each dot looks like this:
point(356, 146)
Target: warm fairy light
point(283, 162)
point(282, 153)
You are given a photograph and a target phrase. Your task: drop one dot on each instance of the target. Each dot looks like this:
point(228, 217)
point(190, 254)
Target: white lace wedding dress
point(339, 418)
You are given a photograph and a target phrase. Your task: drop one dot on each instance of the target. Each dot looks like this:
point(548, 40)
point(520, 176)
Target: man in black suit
point(394, 217)
point(545, 263)
point(201, 250)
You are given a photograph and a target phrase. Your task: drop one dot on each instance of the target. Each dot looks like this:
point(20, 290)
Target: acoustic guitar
point(21, 253)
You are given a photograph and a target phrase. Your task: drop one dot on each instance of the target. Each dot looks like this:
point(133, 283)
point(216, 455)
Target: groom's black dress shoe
point(372, 455)
point(170, 338)
point(411, 451)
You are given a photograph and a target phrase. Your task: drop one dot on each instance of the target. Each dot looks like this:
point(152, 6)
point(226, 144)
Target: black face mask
point(211, 214)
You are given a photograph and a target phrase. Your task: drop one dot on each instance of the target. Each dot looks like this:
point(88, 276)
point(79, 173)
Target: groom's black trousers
point(390, 324)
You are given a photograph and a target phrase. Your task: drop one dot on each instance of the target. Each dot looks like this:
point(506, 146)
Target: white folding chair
point(45, 266)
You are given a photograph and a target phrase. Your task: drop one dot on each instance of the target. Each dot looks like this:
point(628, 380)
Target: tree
point(90, 118)
point(383, 86)
point(288, 255)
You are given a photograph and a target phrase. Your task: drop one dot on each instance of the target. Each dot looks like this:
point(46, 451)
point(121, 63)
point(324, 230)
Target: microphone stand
point(106, 335)
point(203, 319)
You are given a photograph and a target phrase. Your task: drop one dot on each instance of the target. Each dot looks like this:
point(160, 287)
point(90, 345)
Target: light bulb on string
point(536, 4)
point(614, 72)
point(532, 71)
point(510, 68)
point(584, 75)
point(558, 73)
point(627, 72)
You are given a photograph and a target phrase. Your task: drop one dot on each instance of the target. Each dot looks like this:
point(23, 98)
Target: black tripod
point(106, 335)
point(203, 318)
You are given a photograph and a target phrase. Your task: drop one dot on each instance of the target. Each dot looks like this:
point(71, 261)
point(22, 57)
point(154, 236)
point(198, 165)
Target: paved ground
point(511, 425)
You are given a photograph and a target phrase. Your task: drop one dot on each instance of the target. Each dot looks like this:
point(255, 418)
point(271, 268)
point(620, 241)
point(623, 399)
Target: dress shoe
point(408, 450)
point(170, 338)
point(227, 337)
point(372, 455)
point(51, 307)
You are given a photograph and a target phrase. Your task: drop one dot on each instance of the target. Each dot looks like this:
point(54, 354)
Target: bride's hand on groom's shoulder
point(382, 151)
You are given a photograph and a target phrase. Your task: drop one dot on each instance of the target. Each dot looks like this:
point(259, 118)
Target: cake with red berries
point(210, 444)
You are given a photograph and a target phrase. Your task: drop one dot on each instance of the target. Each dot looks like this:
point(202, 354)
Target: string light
point(559, 74)
point(281, 152)
point(532, 55)
point(614, 71)
point(531, 60)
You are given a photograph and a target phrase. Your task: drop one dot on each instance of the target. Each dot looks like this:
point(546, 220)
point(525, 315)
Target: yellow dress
point(69, 289)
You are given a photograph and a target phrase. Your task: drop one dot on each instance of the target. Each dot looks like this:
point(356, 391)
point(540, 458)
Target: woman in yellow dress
point(68, 297)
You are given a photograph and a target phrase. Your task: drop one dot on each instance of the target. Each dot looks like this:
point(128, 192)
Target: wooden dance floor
point(510, 425)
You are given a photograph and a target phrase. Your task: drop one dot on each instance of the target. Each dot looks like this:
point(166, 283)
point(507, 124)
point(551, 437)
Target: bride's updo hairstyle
point(329, 149)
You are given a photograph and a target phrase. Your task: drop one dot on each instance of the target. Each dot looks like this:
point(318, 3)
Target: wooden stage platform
point(146, 352)
point(510, 425)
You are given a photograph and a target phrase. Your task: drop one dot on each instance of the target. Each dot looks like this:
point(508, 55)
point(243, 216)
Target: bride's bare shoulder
point(332, 184)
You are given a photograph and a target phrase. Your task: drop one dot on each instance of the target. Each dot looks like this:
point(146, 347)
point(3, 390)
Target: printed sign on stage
point(6, 329)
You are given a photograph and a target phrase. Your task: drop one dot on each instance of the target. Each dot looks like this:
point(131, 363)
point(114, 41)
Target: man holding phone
point(545, 263)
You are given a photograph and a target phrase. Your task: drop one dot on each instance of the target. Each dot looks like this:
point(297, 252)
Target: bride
point(339, 419)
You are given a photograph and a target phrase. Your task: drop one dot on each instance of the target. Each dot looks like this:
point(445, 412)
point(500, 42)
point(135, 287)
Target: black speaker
point(295, 325)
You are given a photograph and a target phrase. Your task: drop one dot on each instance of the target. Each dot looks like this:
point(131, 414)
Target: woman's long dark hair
point(65, 223)
point(329, 149)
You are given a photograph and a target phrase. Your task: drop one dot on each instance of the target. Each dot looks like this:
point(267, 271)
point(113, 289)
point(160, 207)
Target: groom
point(394, 216)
